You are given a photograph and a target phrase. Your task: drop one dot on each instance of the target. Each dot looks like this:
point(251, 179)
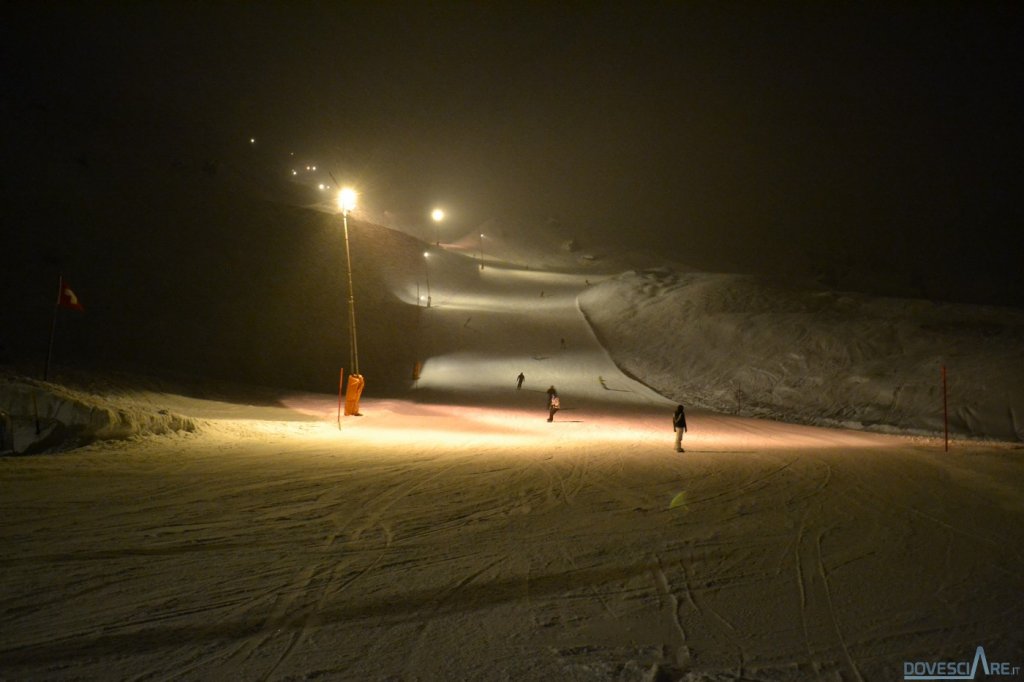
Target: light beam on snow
point(639, 430)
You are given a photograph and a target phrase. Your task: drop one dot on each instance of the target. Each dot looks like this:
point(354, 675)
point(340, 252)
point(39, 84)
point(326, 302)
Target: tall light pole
point(426, 264)
point(438, 215)
point(347, 201)
point(481, 250)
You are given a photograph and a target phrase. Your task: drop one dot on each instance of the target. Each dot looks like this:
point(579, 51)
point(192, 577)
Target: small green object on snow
point(678, 501)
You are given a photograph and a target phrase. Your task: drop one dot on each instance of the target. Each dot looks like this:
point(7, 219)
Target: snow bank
point(69, 418)
point(735, 343)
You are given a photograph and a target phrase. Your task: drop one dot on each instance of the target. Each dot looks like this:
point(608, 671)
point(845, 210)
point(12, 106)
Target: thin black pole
point(53, 329)
point(945, 408)
point(351, 301)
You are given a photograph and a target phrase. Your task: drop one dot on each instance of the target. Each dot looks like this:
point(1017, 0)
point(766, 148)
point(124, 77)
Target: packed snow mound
point(736, 343)
point(40, 416)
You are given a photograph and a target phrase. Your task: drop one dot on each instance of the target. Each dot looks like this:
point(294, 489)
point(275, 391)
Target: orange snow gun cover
point(354, 392)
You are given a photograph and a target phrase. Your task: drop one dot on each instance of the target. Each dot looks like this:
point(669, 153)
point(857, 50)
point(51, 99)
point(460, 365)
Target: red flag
point(66, 298)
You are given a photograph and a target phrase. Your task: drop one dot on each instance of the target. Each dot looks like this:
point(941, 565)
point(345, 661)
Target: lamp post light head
point(347, 200)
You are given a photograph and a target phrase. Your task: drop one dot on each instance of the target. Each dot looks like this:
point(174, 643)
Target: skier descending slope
point(554, 404)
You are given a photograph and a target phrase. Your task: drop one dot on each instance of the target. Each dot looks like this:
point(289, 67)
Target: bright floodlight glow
point(322, 187)
point(347, 199)
point(426, 254)
point(252, 140)
point(295, 172)
point(437, 214)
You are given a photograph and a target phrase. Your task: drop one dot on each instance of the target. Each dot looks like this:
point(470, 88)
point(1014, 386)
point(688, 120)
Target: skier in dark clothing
point(679, 423)
point(554, 404)
point(519, 381)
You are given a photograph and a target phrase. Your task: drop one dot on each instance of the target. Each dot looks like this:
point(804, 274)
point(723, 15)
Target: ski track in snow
point(457, 535)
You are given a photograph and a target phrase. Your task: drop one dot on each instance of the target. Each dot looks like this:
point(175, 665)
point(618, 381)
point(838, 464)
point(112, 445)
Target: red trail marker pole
point(341, 382)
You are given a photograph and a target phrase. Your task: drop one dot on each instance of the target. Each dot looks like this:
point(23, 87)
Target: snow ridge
point(738, 344)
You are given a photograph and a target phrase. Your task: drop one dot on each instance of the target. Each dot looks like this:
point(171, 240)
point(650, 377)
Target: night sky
point(823, 136)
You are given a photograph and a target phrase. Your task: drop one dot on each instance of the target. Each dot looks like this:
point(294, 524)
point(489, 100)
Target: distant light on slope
point(437, 214)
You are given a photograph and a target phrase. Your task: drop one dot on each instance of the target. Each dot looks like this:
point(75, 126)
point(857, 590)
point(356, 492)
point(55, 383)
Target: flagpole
point(53, 327)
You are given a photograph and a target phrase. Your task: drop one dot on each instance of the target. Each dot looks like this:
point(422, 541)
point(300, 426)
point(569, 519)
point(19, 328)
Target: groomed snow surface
point(452, 533)
point(740, 345)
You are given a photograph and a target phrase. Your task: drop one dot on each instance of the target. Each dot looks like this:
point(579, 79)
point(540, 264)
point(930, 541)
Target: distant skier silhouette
point(519, 381)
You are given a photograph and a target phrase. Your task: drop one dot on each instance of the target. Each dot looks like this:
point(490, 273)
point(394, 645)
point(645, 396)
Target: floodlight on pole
point(438, 215)
point(347, 202)
point(356, 382)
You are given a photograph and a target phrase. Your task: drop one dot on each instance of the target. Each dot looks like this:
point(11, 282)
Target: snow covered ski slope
point(454, 534)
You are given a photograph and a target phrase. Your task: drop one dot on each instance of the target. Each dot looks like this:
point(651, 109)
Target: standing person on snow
point(519, 381)
point(679, 423)
point(553, 403)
